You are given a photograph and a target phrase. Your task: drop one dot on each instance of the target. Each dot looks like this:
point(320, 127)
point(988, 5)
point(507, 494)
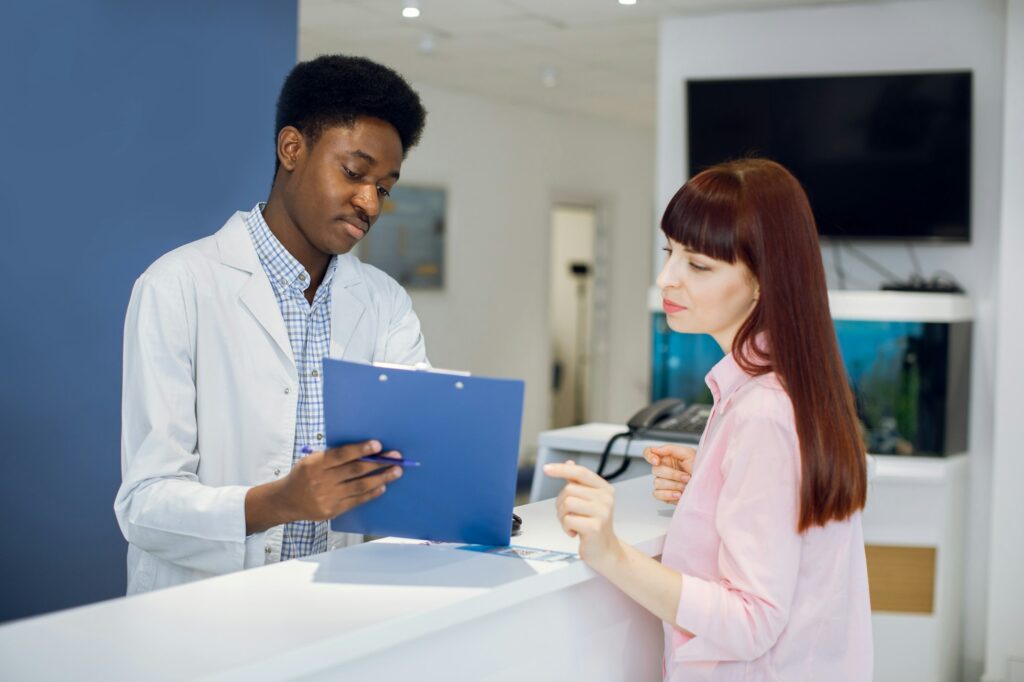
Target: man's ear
point(291, 145)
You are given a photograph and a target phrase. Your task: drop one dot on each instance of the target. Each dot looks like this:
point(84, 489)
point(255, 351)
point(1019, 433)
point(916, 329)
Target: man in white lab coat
point(222, 451)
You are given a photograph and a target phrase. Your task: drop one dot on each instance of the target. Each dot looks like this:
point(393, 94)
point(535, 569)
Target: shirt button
point(319, 436)
point(267, 550)
point(283, 282)
point(302, 277)
point(277, 472)
point(315, 373)
point(287, 390)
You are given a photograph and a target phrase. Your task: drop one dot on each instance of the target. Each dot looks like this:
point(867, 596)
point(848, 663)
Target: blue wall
point(128, 127)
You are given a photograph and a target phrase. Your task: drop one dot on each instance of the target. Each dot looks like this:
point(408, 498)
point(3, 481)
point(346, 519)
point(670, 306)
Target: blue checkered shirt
point(309, 331)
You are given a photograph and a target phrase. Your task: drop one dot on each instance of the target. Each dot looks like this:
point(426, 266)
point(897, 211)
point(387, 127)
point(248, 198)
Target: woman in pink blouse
point(763, 574)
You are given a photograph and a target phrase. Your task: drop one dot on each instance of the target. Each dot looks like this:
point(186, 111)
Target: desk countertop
point(287, 619)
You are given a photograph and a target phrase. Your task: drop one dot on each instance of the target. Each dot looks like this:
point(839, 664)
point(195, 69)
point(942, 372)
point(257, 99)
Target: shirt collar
point(281, 267)
point(725, 378)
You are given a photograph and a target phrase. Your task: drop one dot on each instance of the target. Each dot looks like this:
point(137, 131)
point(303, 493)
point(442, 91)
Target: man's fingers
point(343, 454)
point(360, 486)
point(357, 500)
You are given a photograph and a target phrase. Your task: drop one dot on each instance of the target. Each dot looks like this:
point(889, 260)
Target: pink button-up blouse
point(763, 602)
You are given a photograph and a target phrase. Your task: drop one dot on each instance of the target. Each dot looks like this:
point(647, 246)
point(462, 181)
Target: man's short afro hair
point(335, 90)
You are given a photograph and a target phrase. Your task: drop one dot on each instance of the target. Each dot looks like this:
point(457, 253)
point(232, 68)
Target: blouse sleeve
point(741, 616)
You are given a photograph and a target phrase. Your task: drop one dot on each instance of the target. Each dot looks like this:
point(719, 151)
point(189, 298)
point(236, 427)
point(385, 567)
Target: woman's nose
point(666, 278)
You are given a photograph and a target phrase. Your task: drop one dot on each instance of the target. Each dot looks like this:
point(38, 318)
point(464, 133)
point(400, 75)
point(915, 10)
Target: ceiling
point(585, 57)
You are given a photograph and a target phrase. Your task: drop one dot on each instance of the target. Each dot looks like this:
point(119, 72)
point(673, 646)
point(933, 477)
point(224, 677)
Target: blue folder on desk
point(464, 432)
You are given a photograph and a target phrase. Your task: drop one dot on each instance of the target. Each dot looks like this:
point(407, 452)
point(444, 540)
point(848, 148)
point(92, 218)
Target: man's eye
point(352, 174)
point(383, 191)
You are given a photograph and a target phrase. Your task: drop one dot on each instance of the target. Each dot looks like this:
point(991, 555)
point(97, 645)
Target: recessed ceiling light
point(411, 9)
point(627, 2)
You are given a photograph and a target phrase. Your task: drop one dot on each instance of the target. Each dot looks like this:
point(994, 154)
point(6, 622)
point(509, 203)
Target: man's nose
point(367, 200)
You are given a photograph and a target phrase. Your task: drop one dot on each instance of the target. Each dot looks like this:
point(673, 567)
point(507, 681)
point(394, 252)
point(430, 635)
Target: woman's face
point(702, 295)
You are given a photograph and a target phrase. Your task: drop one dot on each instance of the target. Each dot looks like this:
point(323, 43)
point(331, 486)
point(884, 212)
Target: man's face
point(336, 187)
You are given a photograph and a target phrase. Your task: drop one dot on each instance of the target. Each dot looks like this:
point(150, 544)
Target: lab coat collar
point(237, 251)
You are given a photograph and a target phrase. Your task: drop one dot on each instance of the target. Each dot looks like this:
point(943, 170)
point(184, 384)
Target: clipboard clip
point(421, 367)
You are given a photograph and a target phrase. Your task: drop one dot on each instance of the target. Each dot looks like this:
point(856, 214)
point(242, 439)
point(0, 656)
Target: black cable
point(871, 262)
point(608, 448)
point(837, 261)
point(625, 460)
point(913, 259)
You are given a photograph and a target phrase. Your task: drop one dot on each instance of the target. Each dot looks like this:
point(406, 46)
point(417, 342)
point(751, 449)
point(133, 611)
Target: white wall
point(1005, 588)
point(878, 37)
point(505, 167)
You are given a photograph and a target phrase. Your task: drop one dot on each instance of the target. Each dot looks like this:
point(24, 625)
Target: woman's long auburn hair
point(755, 211)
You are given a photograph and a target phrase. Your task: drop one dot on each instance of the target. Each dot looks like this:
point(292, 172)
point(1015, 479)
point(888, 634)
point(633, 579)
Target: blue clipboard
point(463, 430)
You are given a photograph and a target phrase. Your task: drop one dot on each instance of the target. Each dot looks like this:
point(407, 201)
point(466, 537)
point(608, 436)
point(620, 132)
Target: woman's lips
point(669, 307)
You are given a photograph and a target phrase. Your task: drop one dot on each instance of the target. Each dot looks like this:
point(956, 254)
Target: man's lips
point(669, 307)
point(356, 225)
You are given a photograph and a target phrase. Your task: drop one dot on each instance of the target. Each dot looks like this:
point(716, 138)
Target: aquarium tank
point(910, 380)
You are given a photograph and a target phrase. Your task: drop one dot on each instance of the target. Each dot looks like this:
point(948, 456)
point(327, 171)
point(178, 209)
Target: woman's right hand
point(672, 466)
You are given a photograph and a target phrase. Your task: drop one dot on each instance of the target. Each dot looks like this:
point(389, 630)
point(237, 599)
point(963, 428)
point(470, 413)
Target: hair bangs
point(703, 215)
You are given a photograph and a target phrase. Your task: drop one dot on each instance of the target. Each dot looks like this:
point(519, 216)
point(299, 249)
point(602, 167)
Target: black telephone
point(670, 419)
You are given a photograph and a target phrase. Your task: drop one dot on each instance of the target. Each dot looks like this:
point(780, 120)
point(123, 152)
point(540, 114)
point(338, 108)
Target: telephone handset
point(668, 419)
point(656, 412)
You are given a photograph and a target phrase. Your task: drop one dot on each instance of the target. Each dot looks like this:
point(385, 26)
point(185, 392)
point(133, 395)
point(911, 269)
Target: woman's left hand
point(585, 507)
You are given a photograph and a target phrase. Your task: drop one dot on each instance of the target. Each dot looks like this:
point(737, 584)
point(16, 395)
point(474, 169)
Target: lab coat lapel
point(346, 308)
point(257, 296)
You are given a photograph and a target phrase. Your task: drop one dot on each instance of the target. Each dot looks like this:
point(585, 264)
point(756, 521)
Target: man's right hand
point(672, 466)
point(320, 486)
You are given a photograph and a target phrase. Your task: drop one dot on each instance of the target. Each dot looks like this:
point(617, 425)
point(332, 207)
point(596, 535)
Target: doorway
point(574, 283)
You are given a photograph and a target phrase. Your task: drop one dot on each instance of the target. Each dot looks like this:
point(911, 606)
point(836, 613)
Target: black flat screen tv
point(882, 157)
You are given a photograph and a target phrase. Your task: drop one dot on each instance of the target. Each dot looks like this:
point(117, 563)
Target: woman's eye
point(698, 267)
point(667, 249)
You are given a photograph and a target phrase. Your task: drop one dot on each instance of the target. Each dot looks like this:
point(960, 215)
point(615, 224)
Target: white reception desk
point(385, 610)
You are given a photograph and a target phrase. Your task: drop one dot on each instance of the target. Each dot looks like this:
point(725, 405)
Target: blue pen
point(388, 460)
point(375, 459)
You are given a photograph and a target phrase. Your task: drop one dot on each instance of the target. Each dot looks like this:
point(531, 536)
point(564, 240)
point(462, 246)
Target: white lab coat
point(209, 399)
